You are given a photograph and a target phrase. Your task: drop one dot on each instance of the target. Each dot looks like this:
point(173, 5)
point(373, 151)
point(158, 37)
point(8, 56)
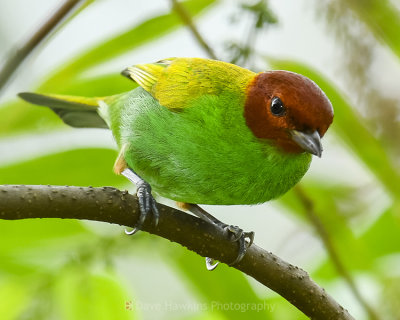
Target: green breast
point(203, 154)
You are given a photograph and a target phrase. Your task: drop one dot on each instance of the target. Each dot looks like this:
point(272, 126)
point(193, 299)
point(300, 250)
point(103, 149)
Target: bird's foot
point(244, 239)
point(147, 203)
point(235, 234)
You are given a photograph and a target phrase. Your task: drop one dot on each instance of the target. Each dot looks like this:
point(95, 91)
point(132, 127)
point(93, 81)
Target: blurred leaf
point(264, 15)
point(134, 37)
point(239, 52)
point(350, 127)
point(281, 309)
point(383, 19)
point(81, 295)
point(325, 199)
point(79, 167)
point(100, 86)
point(383, 237)
point(389, 299)
point(12, 266)
point(357, 252)
point(13, 297)
point(22, 234)
point(19, 116)
point(204, 316)
point(225, 291)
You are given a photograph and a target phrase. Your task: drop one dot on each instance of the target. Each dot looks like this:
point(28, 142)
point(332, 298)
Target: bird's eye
point(277, 107)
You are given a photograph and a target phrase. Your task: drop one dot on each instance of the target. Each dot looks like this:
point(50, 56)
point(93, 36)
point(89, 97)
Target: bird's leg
point(234, 232)
point(143, 190)
point(146, 200)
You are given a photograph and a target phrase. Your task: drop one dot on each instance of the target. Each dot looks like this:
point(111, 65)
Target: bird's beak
point(310, 142)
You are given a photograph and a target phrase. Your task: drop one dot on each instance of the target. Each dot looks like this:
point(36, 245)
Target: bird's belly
point(184, 169)
point(206, 177)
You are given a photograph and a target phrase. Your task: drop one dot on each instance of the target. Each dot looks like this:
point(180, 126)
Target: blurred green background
point(348, 240)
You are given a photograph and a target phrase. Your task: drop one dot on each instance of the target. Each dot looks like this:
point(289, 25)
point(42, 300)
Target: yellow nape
point(146, 75)
point(175, 82)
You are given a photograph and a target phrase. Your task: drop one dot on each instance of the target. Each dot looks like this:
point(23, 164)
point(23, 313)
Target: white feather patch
point(103, 111)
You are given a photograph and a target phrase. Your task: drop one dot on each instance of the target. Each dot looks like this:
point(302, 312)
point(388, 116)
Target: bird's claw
point(235, 234)
point(146, 204)
point(245, 240)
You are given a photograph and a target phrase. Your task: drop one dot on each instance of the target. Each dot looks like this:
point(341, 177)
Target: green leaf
point(262, 12)
point(358, 253)
point(349, 126)
point(204, 316)
point(133, 38)
point(281, 309)
point(79, 167)
point(389, 298)
point(81, 295)
point(382, 238)
point(382, 18)
point(13, 297)
point(226, 291)
point(327, 200)
point(100, 86)
point(24, 234)
point(19, 116)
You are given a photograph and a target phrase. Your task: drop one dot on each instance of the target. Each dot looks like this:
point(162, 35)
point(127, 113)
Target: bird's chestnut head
point(288, 109)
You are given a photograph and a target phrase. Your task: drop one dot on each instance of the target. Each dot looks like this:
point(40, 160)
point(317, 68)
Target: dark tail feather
point(78, 112)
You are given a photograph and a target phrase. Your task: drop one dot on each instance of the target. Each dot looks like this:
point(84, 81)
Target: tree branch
point(114, 206)
point(187, 20)
point(17, 57)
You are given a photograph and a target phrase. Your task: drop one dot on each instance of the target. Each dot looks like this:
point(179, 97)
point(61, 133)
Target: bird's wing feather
point(175, 82)
point(78, 112)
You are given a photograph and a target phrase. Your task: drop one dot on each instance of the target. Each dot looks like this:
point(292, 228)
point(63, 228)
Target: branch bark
point(119, 207)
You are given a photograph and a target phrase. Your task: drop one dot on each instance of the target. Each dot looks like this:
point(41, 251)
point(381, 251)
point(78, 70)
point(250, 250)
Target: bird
point(206, 132)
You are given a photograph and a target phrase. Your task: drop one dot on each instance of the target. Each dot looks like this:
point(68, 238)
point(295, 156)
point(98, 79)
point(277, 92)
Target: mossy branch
point(119, 207)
